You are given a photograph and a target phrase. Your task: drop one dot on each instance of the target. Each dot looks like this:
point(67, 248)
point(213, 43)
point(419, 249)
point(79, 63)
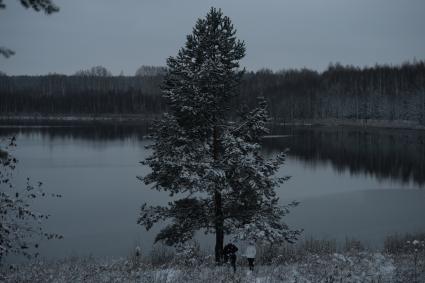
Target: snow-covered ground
point(336, 267)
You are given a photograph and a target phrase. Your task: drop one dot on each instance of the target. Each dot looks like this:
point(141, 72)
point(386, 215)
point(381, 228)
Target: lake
point(363, 183)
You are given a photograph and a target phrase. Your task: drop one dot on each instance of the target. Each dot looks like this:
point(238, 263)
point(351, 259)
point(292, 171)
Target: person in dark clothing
point(251, 263)
point(229, 252)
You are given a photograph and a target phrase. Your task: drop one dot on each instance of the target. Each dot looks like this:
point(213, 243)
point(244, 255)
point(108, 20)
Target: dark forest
point(387, 93)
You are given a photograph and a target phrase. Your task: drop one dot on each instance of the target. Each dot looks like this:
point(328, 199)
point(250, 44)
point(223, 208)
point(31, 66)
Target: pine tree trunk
point(219, 234)
point(219, 223)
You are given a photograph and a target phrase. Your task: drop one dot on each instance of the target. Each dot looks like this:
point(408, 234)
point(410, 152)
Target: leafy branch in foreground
point(37, 5)
point(6, 52)
point(20, 225)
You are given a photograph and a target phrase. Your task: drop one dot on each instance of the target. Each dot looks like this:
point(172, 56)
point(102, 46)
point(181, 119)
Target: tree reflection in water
point(396, 154)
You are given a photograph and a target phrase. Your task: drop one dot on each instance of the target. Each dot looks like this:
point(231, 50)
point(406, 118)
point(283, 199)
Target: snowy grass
point(311, 260)
point(334, 267)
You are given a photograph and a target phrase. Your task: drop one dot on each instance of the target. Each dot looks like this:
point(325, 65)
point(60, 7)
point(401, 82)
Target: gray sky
point(279, 34)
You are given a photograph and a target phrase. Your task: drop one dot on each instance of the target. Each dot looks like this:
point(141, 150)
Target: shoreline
point(365, 123)
point(24, 120)
point(77, 118)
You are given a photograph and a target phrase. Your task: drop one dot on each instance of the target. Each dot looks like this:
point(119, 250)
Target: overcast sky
point(279, 34)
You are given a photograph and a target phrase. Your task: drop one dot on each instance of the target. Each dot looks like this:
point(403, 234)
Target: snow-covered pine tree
point(227, 187)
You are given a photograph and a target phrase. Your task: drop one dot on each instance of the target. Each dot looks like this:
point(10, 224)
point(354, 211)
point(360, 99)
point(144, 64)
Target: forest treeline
point(340, 92)
point(73, 95)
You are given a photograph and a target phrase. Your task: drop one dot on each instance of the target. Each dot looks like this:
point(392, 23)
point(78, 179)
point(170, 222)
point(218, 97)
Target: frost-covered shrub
point(189, 254)
point(135, 259)
point(415, 246)
point(409, 253)
point(399, 244)
point(161, 255)
point(313, 246)
point(353, 246)
point(276, 254)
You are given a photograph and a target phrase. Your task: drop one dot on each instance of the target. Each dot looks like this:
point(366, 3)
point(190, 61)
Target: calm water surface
point(351, 182)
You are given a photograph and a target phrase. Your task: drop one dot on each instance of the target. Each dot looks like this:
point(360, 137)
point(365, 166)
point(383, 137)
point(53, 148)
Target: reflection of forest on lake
point(83, 131)
point(396, 154)
point(385, 153)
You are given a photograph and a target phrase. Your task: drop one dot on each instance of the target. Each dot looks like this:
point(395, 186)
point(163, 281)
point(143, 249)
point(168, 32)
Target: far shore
point(369, 123)
point(37, 119)
point(28, 119)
